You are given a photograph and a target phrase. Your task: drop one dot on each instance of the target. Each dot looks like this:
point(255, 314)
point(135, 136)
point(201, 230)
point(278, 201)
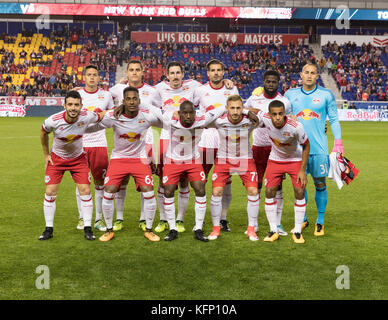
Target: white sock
point(49, 210)
point(98, 196)
point(253, 210)
point(119, 200)
point(183, 201)
point(226, 199)
point(78, 203)
point(142, 214)
point(149, 208)
point(200, 211)
point(215, 209)
point(162, 214)
point(270, 211)
point(108, 208)
point(299, 210)
point(279, 210)
point(87, 209)
point(169, 210)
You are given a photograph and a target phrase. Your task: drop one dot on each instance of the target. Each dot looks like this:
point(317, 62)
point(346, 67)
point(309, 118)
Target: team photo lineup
point(193, 152)
point(202, 126)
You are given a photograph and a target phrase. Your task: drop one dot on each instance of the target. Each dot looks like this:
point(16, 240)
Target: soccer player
point(95, 144)
point(183, 160)
point(261, 146)
point(171, 94)
point(234, 156)
point(311, 104)
point(67, 154)
point(214, 94)
point(286, 156)
point(147, 94)
point(129, 158)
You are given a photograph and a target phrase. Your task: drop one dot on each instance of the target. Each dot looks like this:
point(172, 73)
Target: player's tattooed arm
point(44, 139)
point(302, 177)
point(118, 111)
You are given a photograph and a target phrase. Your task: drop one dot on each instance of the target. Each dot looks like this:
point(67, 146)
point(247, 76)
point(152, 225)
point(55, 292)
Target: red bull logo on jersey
point(308, 114)
point(316, 100)
point(234, 138)
point(91, 108)
point(175, 101)
point(279, 143)
point(70, 138)
point(130, 136)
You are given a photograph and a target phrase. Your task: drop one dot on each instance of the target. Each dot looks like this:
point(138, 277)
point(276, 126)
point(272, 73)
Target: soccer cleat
point(180, 227)
point(215, 233)
point(281, 231)
point(47, 234)
point(224, 226)
point(99, 225)
point(162, 225)
point(80, 225)
point(172, 235)
point(272, 236)
point(142, 225)
point(89, 233)
point(298, 238)
point(319, 230)
point(256, 229)
point(107, 236)
point(151, 236)
point(118, 225)
point(198, 234)
point(251, 234)
point(305, 224)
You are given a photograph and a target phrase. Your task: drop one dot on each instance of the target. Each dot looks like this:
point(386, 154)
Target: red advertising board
point(156, 11)
point(203, 38)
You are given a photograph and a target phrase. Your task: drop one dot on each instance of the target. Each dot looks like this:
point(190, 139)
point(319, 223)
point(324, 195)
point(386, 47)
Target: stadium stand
point(360, 72)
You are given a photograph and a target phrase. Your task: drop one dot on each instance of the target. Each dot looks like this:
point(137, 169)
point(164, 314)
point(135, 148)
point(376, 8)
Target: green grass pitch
point(232, 267)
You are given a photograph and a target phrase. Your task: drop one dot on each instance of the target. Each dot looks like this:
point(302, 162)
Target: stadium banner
point(362, 115)
point(371, 105)
point(33, 101)
point(214, 38)
point(10, 110)
point(377, 41)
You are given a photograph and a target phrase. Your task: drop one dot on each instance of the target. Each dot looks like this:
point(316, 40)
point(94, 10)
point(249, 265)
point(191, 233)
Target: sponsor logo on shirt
point(70, 138)
point(91, 108)
point(175, 101)
point(316, 100)
point(308, 114)
point(130, 136)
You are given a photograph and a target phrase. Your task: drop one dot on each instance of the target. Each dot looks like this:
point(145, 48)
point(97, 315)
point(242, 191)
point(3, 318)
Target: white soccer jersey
point(206, 96)
point(260, 135)
point(148, 97)
point(183, 144)
point(234, 138)
point(129, 133)
point(285, 141)
point(170, 99)
point(67, 142)
point(98, 101)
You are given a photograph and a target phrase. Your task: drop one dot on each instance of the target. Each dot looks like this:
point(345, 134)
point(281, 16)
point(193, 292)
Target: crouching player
point(286, 156)
point(183, 160)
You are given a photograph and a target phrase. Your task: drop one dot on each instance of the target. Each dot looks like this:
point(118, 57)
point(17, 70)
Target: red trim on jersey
point(291, 122)
point(209, 108)
point(237, 122)
point(265, 96)
point(64, 117)
point(59, 116)
point(129, 116)
point(45, 129)
point(223, 85)
point(305, 142)
point(141, 86)
point(90, 92)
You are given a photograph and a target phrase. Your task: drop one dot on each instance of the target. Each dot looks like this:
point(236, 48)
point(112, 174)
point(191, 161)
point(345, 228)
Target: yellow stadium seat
point(32, 81)
point(79, 77)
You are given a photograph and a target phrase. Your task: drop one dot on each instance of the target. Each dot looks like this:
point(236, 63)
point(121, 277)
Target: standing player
point(311, 104)
point(261, 145)
point(234, 156)
point(286, 156)
point(129, 158)
point(95, 144)
point(214, 94)
point(67, 154)
point(172, 94)
point(183, 160)
point(135, 75)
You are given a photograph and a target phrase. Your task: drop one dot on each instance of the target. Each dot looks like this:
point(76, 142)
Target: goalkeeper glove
point(338, 147)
